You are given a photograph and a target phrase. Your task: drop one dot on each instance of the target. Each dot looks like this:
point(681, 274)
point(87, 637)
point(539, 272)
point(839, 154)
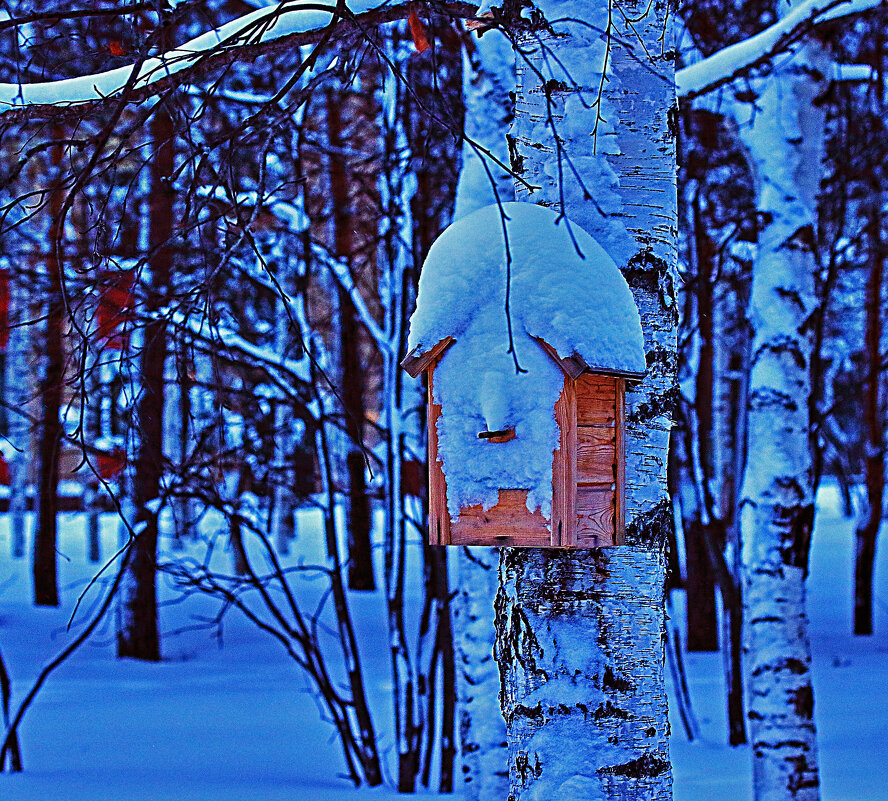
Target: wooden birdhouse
point(527, 356)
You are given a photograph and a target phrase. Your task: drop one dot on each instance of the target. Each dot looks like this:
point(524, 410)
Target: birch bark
point(580, 635)
point(784, 137)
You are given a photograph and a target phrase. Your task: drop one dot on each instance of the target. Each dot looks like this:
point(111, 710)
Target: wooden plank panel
point(439, 517)
point(596, 400)
point(564, 470)
point(507, 523)
point(595, 516)
point(596, 454)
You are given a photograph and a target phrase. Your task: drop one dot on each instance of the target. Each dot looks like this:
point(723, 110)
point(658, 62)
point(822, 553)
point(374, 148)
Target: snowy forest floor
point(235, 721)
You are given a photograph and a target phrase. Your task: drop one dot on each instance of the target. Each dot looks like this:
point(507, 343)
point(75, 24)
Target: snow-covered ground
point(238, 723)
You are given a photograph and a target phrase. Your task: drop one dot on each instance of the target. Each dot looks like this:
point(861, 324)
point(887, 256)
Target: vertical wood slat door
point(600, 466)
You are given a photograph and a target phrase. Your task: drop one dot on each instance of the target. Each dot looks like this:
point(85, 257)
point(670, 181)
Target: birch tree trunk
point(488, 76)
point(784, 137)
point(580, 635)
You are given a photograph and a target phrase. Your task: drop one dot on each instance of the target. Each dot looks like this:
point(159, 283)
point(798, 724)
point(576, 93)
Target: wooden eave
point(574, 365)
point(415, 363)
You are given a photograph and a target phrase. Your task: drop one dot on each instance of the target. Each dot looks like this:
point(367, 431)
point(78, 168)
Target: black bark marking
point(659, 404)
point(608, 710)
point(767, 398)
point(802, 701)
point(795, 666)
point(783, 344)
point(516, 160)
point(613, 682)
point(531, 712)
point(525, 769)
point(651, 529)
point(797, 523)
point(644, 271)
point(646, 766)
point(661, 360)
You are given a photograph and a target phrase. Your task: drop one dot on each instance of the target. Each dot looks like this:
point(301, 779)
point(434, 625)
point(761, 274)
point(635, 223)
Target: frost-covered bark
point(784, 137)
point(580, 634)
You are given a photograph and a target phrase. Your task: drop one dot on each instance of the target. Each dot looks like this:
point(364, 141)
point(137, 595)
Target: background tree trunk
point(784, 138)
point(17, 386)
point(138, 636)
point(360, 551)
point(46, 592)
point(873, 420)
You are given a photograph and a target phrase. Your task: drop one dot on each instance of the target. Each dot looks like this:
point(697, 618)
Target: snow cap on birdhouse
point(527, 331)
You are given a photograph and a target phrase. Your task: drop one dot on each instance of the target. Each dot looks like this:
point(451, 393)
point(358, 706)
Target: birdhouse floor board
point(507, 523)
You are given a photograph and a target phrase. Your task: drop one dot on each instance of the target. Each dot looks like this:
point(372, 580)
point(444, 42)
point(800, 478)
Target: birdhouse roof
point(564, 292)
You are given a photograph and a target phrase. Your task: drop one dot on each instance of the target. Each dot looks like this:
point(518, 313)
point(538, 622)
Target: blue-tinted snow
point(237, 723)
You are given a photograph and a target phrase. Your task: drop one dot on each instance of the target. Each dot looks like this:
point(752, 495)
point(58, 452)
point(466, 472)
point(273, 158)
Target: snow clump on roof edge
point(576, 304)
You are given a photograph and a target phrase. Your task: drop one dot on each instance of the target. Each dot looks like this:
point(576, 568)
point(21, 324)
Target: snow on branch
point(731, 62)
point(289, 23)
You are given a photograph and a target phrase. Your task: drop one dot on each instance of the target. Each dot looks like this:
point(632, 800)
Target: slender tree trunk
point(93, 425)
point(580, 635)
point(15, 754)
point(443, 654)
point(46, 591)
point(17, 391)
point(138, 636)
point(702, 620)
point(873, 420)
point(784, 137)
point(360, 566)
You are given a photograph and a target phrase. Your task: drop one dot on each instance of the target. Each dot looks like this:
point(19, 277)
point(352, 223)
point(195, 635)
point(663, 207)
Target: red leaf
point(116, 48)
point(110, 464)
point(419, 32)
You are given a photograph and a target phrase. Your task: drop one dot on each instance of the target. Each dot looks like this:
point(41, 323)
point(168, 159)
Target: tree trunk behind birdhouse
point(580, 635)
point(488, 77)
point(784, 137)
